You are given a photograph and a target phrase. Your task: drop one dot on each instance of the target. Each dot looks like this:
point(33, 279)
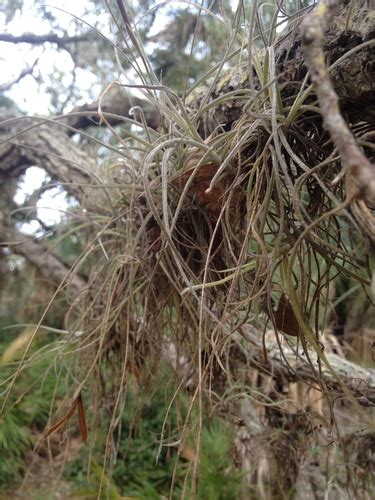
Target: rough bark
point(361, 175)
point(286, 365)
point(352, 76)
point(291, 366)
point(27, 142)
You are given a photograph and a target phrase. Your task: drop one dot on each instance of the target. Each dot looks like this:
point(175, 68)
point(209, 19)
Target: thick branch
point(61, 41)
point(42, 258)
point(360, 381)
point(48, 147)
point(118, 102)
point(286, 365)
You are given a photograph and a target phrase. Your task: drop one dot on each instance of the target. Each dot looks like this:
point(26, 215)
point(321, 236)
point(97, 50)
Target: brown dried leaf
point(285, 318)
point(81, 419)
point(77, 403)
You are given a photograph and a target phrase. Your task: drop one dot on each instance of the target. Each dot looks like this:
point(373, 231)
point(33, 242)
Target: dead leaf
point(285, 318)
point(81, 418)
point(77, 403)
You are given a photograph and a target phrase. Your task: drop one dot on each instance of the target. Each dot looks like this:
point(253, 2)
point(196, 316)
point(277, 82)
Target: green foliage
point(136, 472)
point(218, 480)
point(25, 415)
point(188, 47)
point(8, 104)
point(15, 439)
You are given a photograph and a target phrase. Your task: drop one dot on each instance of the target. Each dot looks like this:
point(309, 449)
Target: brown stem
point(360, 171)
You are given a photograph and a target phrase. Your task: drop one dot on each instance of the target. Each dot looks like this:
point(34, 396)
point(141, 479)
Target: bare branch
point(30, 38)
point(48, 264)
point(27, 71)
point(118, 102)
point(360, 381)
point(360, 169)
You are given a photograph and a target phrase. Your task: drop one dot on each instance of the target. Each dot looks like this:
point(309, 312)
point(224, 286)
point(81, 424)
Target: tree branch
point(25, 72)
point(360, 169)
point(50, 148)
point(118, 102)
point(360, 381)
point(42, 258)
point(286, 364)
point(30, 38)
